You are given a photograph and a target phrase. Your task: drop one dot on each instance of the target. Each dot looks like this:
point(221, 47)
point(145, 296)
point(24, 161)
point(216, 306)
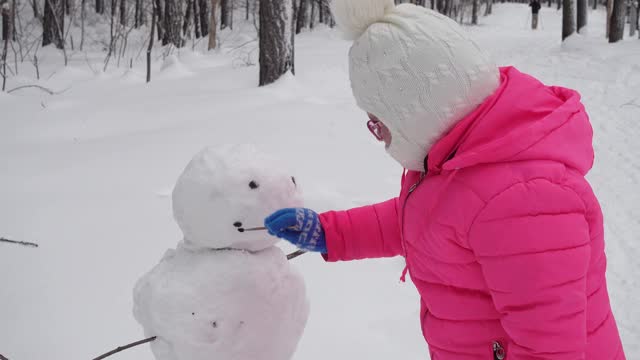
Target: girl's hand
point(299, 226)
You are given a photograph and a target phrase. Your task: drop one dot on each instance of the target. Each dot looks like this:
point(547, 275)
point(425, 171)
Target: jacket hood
point(522, 120)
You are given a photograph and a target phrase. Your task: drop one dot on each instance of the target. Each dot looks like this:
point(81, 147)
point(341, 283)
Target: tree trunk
point(7, 24)
point(123, 12)
point(609, 5)
point(633, 18)
point(213, 25)
point(320, 12)
point(487, 10)
point(474, 13)
point(67, 6)
point(99, 6)
point(637, 23)
point(154, 15)
point(582, 14)
point(138, 14)
point(204, 13)
point(616, 29)
point(595, 4)
point(301, 19)
point(196, 19)
point(83, 15)
point(53, 23)
point(433, 4)
point(225, 10)
point(247, 6)
point(638, 18)
point(276, 40)
point(6, 19)
point(568, 22)
point(312, 17)
point(559, 4)
point(36, 11)
point(159, 19)
point(231, 7)
point(172, 22)
point(186, 21)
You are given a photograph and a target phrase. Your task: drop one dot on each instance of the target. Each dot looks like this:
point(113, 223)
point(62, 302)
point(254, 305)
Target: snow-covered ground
point(87, 174)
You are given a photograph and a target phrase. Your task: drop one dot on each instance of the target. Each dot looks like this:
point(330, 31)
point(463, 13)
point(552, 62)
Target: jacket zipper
point(404, 205)
point(498, 351)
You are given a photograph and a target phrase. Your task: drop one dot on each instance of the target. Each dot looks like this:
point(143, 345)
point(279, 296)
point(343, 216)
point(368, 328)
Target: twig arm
point(295, 254)
point(124, 347)
point(25, 243)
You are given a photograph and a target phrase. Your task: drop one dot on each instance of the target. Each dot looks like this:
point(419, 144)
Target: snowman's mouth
point(240, 228)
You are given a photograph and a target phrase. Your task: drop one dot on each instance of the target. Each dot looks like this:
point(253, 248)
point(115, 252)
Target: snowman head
point(225, 190)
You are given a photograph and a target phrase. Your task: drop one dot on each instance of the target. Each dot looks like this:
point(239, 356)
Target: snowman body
point(225, 293)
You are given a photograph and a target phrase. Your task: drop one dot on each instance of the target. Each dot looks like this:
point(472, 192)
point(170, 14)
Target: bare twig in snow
point(25, 243)
point(243, 44)
point(3, 358)
point(630, 103)
point(49, 91)
point(125, 347)
point(35, 64)
point(86, 58)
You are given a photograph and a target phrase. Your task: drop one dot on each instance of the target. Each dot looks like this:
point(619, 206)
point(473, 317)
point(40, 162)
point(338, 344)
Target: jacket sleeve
point(533, 244)
point(365, 232)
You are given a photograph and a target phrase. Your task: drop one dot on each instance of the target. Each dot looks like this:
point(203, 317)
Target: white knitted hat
point(414, 69)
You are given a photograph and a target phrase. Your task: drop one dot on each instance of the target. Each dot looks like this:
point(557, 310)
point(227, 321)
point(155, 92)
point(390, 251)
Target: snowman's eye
point(294, 180)
point(253, 185)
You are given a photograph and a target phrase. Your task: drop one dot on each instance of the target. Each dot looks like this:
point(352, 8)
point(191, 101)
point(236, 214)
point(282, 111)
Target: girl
point(502, 235)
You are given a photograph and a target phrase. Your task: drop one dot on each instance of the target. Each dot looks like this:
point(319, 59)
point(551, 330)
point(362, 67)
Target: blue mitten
point(299, 226)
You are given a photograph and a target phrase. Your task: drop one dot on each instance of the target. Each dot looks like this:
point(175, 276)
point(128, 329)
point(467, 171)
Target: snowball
point(227, 189)
point(222, 304)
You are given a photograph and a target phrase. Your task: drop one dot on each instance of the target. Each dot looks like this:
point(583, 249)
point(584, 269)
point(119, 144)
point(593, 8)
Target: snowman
point(225, 293)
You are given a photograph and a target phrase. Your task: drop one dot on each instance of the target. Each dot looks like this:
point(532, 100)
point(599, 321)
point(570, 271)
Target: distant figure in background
point(535, 9)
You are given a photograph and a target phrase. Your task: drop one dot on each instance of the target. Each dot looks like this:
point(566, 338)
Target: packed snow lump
point(224, 292)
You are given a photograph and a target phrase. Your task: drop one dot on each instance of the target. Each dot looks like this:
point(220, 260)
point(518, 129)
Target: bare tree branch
point(124, 347)
point(3, 358)
point(25, 243)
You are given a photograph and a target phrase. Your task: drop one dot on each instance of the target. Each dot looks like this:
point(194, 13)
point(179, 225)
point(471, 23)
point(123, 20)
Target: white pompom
point(355, 16)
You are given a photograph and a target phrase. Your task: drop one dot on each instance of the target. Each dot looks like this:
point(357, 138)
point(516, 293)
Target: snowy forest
point(130, 127)
point(72, 25)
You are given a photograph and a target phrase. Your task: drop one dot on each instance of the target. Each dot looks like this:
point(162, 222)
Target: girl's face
point(379, 130)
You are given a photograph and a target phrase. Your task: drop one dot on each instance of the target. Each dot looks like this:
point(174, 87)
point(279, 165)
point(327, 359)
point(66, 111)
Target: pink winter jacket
point(503, 236)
